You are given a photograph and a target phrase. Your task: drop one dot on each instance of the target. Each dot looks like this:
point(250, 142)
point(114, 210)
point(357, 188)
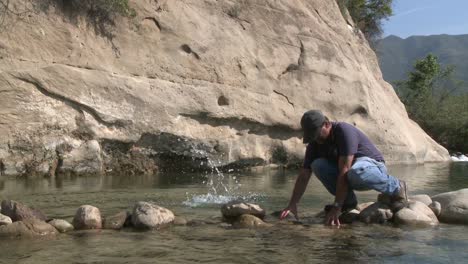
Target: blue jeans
point(365, 174)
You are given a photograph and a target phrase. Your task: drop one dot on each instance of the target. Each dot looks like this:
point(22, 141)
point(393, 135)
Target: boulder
point(61, 225)
point(87, 217)
point(436, 208)
point(5, 220)
point(116, 221)
point(250, 221)
point(407, 216)
point(454, 206)
point(19, 212)
point(424, 198)
point(148, 216)
point(376, 213)
point(422, 208)
point(28, 228)
point(235, 209)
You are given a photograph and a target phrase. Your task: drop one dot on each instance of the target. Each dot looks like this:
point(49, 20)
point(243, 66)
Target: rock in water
point(5, 220)
point(149, 216)
point(27, 228)
point(61, 225)
point(87, 217)
point(116, 221)
point(235, 209)
point(454, 206)
point(19, 212)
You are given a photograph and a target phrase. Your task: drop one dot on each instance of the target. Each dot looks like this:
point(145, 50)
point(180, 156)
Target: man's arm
point(344, 164)
point(299, 189)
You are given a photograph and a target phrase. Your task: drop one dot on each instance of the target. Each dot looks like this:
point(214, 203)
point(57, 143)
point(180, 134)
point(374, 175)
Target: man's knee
point(319, 165)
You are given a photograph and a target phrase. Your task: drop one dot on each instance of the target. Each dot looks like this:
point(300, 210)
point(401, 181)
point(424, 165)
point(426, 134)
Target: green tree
point(368, 15)
point(429, 97)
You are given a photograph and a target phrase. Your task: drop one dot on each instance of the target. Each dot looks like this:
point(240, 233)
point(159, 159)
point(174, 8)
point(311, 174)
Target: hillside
point(397, 55)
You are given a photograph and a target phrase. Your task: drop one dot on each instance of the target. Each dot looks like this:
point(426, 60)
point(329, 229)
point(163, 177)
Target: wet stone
point(149, 216)
point(61, 225)
point(116, 221)
point(87, 217)
point(5, 220)
point(235, 209)
point(18, 211)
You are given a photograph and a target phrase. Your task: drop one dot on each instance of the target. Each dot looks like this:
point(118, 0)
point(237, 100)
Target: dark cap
point(311, 124)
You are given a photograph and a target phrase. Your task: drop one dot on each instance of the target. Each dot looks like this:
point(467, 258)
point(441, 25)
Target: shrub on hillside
point(368, 15)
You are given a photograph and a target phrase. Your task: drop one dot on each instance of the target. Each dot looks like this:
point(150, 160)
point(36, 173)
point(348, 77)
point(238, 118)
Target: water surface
point(199, 196)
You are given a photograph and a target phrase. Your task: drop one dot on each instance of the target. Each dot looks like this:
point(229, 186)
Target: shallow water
point(198, 197)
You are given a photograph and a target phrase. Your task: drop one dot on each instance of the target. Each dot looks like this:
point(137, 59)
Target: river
point(198, 197)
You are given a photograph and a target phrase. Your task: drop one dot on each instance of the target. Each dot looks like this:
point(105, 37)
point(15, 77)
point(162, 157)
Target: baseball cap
point(311, 123)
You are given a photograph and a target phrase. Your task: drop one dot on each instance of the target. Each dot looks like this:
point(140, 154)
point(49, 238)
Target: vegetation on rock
point(368, 15)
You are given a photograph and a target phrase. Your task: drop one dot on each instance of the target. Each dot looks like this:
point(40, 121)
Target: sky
point(427, 17)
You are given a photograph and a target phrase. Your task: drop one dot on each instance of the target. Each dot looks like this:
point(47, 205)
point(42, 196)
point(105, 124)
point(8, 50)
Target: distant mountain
point(397, 55)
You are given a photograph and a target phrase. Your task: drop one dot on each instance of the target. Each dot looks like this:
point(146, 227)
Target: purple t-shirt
point(344, 140)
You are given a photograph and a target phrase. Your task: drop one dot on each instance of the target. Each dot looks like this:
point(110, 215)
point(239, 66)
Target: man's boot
point(400, 199)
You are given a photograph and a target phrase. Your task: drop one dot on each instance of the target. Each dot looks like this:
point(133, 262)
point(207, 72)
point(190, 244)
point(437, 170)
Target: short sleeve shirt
point(345, 140)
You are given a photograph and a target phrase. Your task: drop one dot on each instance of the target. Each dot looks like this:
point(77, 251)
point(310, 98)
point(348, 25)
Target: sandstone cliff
point(187, 80)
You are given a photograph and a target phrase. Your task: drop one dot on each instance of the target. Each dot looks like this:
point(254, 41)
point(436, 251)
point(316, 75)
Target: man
point(343, 159)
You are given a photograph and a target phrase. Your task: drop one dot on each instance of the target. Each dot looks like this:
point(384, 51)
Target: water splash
point(221, 188)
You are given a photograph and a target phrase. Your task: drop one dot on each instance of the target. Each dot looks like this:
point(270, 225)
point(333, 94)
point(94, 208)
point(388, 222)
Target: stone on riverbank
point(61, 225)
point(19, 212)
point(235, 209)
point(27, 228)
point(454, 206)
point(87, 217)
point(376, 213)
point(148, 215)
point(116, 221)
point(5, 220)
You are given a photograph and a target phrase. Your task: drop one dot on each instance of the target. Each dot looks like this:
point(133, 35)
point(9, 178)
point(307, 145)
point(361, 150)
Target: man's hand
point(332, 217)
point(292, 208)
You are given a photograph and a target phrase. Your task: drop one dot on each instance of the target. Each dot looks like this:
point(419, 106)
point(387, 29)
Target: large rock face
point(225, 80)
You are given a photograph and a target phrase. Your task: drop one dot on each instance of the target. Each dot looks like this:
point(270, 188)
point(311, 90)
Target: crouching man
point(344, 160)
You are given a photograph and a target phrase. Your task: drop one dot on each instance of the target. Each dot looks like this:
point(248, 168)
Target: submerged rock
point(181, 221)
point(148, 215)
point(116, 221)
point(87, 217)
point(454, 206)
point(250, 221)
point(28, 228)
point(235, 209)
point(61, 225)
point(19, 212)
